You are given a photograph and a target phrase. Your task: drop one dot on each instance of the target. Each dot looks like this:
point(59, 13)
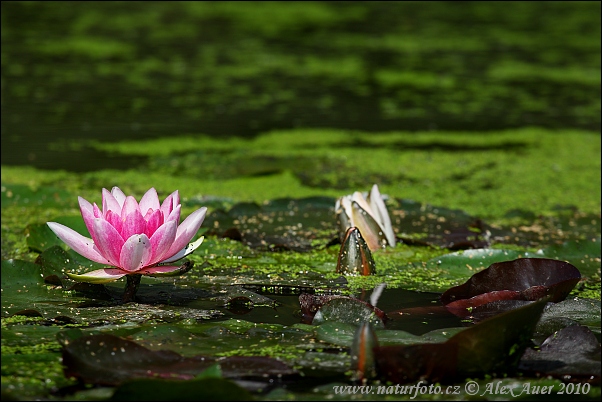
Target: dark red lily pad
point(491, 347)
point(571, 354)
point(110, 360)
point(520, 279)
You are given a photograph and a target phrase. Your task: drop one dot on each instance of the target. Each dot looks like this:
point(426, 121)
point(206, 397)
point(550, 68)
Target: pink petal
point(99, 276)
point(97, 211)
point(136, 253)
point(87, 211)
point(134, 223)
point(174, 215)
point(115, 221)
point(187, 230)
point(109, 241)
point(158, 270)
point(109, 203)
point(153, 221)
point(80, 244)
point(119, 195)
point(170, 203)
point(150, 200)
point(130, 205)
point(162, 240)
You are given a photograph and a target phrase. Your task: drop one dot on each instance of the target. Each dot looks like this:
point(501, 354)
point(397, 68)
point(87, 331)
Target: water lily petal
point(150, 200)
point(115, 220)
point(130, 205)
point(170, 203)
point(133, 223)
point(119, 196)
point(162, 240)
point(97, 212)
point(381, 214)
point(136, 253)
point(80, 244)
point(185, 251)
point(104, 275)
point(108, 241)
point(153, 221)
point(187, 230)
point(174, 215)
point(368, 226)
point(109, 203)
point(87, 211)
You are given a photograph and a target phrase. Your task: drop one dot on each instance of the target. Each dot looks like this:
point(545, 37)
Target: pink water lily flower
point(134, 238)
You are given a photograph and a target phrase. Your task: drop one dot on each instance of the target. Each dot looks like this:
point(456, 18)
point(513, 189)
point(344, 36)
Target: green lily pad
point(22, 286)
point(463, 264)
point(342, 334)
point(584, 254)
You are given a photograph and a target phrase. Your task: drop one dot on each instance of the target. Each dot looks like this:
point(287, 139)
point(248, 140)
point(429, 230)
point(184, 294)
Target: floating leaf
point(464, 264)
point(481, 349)
point(22, 286)
point(520, 279)
point(572, 354)
point(109, 360)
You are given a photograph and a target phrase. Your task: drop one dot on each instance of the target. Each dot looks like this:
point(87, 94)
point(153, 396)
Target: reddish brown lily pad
point(520, 279)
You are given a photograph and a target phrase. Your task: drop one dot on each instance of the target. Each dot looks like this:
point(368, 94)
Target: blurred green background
point(484, 106)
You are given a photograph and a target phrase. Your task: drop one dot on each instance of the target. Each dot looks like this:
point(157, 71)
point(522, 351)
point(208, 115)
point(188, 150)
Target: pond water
point(132, 71)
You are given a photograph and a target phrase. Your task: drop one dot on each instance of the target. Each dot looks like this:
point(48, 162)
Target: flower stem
point(131, 287)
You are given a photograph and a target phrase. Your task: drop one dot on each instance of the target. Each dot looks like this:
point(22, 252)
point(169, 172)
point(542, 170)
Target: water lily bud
point(362, 356)
point(369, 214)
point(355, 257)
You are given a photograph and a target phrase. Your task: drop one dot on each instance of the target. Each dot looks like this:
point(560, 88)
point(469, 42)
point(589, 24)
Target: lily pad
point(520, 279)
point(109, 360)
point(476, 351)
point(571, 354)
point(22, 286)
point(464, 264)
